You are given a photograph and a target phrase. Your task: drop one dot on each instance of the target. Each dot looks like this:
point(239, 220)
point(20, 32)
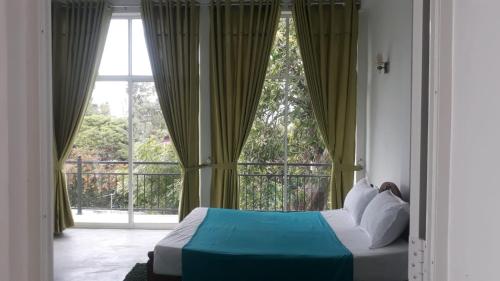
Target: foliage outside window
point(279, 164)
point(285, 136)
point(124, 117)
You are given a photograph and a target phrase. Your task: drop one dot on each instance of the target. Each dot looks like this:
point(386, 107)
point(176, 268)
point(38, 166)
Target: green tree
point(104, 137)
point(262, 187)
point(162, 181)
point(266, 139)
point(161, 187)
point(147, 118)
point(101, 137)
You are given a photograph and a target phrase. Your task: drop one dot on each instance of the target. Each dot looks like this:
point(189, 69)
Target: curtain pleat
point(171, 30)
point(79, 29)
point(240, 44)
point(327, 37)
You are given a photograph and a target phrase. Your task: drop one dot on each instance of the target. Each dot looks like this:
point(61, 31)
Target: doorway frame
point(46, 140)
point(430, 255)
point(440, 117)
point(440, 82)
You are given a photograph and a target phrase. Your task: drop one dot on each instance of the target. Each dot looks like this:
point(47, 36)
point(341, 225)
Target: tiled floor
point(101, 254)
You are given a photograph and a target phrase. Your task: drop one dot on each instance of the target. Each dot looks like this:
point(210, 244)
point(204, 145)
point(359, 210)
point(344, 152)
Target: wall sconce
point(382, 66)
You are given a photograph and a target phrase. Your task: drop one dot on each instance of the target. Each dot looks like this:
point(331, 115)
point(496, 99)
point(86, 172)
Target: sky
point(115, 62)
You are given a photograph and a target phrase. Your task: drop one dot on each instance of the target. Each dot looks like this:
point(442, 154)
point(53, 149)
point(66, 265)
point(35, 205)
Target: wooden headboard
point(392, 187)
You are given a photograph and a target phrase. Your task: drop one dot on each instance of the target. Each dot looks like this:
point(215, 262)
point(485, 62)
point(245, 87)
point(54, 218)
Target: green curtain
point(171, 29)
point(79, 28)
point(241, 38)
point(327, 37)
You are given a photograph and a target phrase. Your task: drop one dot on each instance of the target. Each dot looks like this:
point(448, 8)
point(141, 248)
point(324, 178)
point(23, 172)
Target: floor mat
point(138, 273)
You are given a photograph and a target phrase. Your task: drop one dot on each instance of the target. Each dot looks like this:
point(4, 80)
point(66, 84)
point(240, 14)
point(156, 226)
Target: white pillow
point(385, 219)
point(358, 198)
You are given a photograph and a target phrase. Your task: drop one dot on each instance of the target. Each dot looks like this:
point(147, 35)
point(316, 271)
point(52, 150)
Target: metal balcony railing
point(104, 185)
point(263, 186)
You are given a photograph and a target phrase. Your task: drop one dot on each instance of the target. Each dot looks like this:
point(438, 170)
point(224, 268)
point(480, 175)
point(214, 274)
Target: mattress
point(389, 263)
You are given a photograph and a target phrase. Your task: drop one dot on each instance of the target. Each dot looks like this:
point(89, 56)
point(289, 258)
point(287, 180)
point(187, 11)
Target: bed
point(389, 263)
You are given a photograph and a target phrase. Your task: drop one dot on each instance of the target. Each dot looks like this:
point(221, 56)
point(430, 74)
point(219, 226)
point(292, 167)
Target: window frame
point(130, 79)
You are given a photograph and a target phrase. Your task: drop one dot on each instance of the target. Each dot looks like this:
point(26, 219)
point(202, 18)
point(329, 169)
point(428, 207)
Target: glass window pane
point(265, 142)
point(140, 57)
point(262, 185)
point(305, 144)
point(150, 129)
point(102, 144)
point(277, 61)
point(261, 181)
point(157, 175)
point(296, 68)
point(309, 168)
point(109, 98)
point(103, 135)
point(115, 57)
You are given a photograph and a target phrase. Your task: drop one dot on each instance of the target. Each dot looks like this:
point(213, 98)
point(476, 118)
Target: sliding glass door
point(123, 168)
point(284, 164)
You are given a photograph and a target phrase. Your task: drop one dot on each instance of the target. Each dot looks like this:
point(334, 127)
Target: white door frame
point(417, 241)
point(441, 75)
point(46, 141)
point(429, 254)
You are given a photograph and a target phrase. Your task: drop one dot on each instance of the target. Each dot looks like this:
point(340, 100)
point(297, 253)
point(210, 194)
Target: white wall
point(474, 224)
point(4, 167)
point(20, 178)
point(386, 28)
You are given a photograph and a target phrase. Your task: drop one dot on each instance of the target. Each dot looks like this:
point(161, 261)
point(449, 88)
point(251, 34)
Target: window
point(128, 172)
point(284, 164)
point(123, 167)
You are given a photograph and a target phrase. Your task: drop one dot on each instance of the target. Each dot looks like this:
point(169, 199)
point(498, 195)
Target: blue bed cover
point(232, 245)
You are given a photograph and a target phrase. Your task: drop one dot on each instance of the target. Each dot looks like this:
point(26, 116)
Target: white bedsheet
point(388, 264)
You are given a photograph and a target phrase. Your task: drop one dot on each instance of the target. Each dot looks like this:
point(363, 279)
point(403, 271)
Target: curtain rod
point(137, 3)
